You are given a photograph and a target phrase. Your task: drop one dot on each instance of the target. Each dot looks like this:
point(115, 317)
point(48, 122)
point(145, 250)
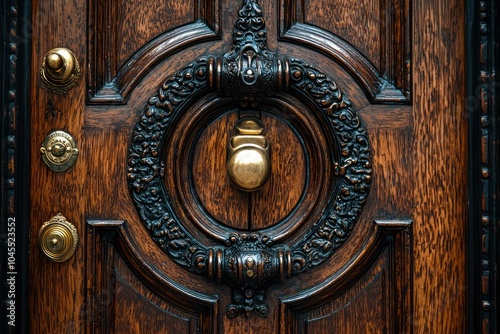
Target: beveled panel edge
point(396, 52)
point(118, 234)
point(356, 267)
point(126, 284)
point(103, 89)
point(118, 90)
point(375, 86)
point(306, 322)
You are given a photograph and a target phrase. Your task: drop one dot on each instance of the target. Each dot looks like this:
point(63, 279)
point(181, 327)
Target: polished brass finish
point(58, 239)
point(59, 151)
point(248, 163)
point(249, 126)
point(60, 70)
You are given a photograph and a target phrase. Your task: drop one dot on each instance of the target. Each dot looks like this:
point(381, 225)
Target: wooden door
point(360, 227)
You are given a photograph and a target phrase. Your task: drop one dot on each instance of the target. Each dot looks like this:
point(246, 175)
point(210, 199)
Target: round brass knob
point(248, 163)
point(249, 167)
point(55, 63)
point(60, 70)
point(58, 239)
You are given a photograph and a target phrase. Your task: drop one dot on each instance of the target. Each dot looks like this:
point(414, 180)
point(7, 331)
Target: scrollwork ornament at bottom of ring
point(249, 268)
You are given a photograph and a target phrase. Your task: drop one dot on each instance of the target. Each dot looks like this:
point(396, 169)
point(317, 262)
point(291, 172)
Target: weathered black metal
point(483, 62)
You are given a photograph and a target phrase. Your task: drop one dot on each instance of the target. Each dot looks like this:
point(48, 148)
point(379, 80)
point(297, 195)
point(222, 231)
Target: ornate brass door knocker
point(250, 74)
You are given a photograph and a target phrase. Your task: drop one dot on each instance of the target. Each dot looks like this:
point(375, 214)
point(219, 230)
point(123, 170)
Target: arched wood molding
point(394, 236)
point(391, 86)
point(105, 89)
point(378, 87)
point(375, 86)
point(104, 237)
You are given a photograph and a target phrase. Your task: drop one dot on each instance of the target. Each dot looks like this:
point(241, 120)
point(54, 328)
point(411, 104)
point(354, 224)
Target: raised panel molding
point(114, 263)
point(110, 80)
point(368, 301)
point(381, 272)
point(390, 80)
point(128, 318)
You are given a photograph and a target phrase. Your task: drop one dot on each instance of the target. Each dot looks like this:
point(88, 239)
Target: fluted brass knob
point(58, 239)
point(60, 70)
point(248, 163)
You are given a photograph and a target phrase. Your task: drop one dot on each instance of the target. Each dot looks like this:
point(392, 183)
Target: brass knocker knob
point(248, 162)
point(60, 70)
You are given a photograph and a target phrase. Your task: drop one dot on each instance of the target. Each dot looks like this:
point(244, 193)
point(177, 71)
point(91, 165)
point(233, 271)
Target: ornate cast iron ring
point(250, 261)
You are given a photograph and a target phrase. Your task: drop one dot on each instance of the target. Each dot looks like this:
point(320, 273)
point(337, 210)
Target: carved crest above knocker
point(247, 78)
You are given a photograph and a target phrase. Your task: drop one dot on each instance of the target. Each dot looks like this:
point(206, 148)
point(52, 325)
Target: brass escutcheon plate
point(59, 151)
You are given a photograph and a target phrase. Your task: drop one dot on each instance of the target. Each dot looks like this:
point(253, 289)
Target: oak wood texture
point(440, 199)
point(376, 299)
point(383, 279)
